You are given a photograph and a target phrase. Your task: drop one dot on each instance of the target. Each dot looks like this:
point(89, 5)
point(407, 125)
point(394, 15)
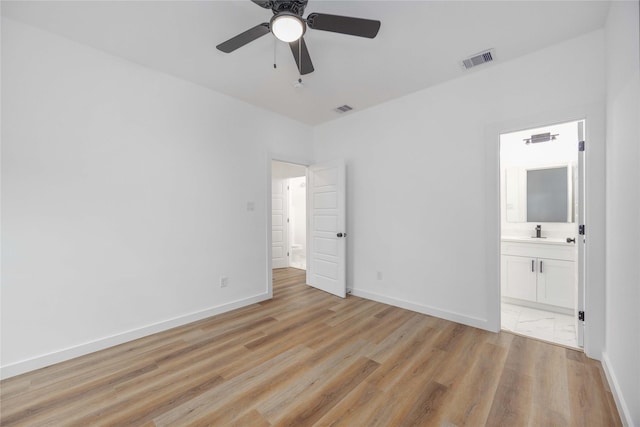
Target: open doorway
point(289, 217)
point(541, 199)
point(323, 240)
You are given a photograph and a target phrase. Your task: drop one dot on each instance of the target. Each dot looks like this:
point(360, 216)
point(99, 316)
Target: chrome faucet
point(538, 231)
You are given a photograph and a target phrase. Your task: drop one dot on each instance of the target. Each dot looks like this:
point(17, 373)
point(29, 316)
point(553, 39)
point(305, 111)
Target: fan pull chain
point(300, 60)
point(274, 53)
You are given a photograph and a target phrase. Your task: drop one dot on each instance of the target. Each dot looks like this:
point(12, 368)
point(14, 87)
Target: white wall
point(423, 178)
point(622, 356)
point(124, 199)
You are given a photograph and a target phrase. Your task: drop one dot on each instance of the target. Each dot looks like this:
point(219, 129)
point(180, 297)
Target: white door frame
point(594, 115)
point(580, 239)
point(287, 159)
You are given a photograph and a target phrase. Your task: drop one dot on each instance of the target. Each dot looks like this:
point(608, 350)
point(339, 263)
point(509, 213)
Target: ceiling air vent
point(478, 59)
point(343, 109)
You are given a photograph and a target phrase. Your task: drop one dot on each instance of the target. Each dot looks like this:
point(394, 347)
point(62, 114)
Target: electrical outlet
point(224, 281)
point(379, 275)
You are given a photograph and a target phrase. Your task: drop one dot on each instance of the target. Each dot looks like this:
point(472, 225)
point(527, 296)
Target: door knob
point(339, 234)
point(569, 240)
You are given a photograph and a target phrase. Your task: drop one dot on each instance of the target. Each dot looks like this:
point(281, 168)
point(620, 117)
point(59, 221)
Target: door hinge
point(287, 187)
point(287, 253)
point(581, 315)
point(287, 219)
point(581, 229)
point(581, 146)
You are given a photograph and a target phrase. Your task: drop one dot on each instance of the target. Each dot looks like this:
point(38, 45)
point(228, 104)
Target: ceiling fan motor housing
point(295, 6)
point(277, 6)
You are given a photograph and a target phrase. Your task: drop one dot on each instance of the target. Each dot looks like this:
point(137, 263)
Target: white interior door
point(580, 239)
point(326, 194)
point(298, 222)
point(279, 228)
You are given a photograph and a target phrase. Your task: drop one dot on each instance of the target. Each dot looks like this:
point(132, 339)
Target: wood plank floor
point(308, 358)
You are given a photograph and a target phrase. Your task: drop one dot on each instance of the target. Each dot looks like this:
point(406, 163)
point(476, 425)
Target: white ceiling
point(420, 44)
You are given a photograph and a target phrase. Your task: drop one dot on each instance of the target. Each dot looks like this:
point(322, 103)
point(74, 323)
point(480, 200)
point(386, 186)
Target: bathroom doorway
point(541, 250)
point(289, 215)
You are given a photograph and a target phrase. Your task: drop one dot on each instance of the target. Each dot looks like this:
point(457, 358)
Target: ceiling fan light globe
point(287, 28)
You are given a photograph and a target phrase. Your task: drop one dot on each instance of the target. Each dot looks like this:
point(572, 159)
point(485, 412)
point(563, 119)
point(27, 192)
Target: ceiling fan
point(288, 25)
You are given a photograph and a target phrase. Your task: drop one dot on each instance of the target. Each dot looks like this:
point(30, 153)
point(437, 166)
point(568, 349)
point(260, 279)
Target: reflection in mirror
point(548, 195)
point(538, 194)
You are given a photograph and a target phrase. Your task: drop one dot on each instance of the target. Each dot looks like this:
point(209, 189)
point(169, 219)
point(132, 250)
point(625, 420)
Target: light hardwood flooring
point(309, 358)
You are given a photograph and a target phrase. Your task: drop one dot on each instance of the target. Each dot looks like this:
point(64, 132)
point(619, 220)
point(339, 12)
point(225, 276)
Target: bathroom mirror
point(547, 195)
point(538, 194)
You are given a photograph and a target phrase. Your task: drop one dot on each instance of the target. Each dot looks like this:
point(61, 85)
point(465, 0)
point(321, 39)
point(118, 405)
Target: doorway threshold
point(547, 326)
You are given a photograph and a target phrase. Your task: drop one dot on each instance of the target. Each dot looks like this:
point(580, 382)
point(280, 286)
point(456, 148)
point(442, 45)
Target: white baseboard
point(424, 309)
point(623, 409)
point(48, 359)
point(539, 306)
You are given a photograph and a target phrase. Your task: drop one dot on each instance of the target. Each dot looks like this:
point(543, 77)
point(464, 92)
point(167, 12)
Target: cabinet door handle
point(533, 268)
point(540, 266)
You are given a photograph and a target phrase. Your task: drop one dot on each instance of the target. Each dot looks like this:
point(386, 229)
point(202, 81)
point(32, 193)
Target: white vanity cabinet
point(539, 271)
point(518, 277)
point(556, 282)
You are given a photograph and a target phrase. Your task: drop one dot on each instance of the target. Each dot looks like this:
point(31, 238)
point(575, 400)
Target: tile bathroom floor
point(540, 324)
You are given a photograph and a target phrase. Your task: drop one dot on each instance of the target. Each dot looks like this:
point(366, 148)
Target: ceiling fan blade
point(244, 38)
point(343, 24)
point(299, 49)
